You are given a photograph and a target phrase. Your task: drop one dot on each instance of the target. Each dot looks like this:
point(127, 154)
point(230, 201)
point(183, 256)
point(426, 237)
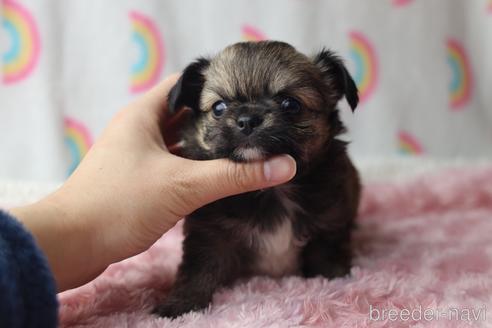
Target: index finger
point(155, 100)
point(157, 96)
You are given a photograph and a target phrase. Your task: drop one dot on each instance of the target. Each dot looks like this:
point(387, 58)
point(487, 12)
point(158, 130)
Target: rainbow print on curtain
point(78, 141)
point(146, 71)
point(408, 144)
point(366, 64)
point(22, 53)
point(250, 33)
point(401, 3)
point(460, 88)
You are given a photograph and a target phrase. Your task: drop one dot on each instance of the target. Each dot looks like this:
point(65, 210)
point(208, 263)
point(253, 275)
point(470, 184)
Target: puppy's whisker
point(304, 128)
point(275, 139)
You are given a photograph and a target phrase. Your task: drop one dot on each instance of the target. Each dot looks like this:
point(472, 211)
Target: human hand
point(130, 189)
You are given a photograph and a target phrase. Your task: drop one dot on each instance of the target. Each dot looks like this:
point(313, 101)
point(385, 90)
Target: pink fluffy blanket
point(423, 258)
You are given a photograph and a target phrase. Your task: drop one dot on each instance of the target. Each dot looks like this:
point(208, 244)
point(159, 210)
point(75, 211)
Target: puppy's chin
point(248, 154)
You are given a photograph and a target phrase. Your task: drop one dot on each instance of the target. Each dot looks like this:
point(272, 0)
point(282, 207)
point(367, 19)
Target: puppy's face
point(255, 100)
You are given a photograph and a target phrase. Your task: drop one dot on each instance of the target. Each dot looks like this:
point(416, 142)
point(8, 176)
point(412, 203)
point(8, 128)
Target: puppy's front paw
point(329, 271)
point(174, 308)
point(167, 311)
point(335, 270)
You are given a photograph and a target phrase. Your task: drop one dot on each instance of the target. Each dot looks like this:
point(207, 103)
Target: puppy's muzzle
point(247, 123)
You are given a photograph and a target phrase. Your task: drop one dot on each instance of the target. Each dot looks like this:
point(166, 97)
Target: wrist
point(65, 239)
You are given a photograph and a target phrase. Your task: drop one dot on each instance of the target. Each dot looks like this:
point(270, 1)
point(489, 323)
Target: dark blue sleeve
point(27, 287)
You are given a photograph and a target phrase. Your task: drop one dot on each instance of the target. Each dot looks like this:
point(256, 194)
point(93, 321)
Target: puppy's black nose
point(248, 122)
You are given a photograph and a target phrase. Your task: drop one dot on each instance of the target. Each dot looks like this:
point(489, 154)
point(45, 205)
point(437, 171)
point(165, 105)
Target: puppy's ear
point(186, 92)
point(337, 76)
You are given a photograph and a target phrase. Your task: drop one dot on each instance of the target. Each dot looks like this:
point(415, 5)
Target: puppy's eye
point(219, 107)
point(290, 104)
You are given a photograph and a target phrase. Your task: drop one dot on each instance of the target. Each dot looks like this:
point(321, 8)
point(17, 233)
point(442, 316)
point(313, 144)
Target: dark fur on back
point(245, 235)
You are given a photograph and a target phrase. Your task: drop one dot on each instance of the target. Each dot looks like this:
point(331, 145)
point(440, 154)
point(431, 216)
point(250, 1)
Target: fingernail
point(279, 169)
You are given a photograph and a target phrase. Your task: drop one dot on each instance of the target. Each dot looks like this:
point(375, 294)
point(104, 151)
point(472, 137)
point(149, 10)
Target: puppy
point(252, 101)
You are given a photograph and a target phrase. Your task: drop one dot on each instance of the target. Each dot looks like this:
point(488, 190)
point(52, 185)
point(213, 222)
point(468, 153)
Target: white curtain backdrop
point(424, 69)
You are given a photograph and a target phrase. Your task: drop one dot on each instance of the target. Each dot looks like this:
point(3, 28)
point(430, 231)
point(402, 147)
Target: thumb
point(215, 179)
